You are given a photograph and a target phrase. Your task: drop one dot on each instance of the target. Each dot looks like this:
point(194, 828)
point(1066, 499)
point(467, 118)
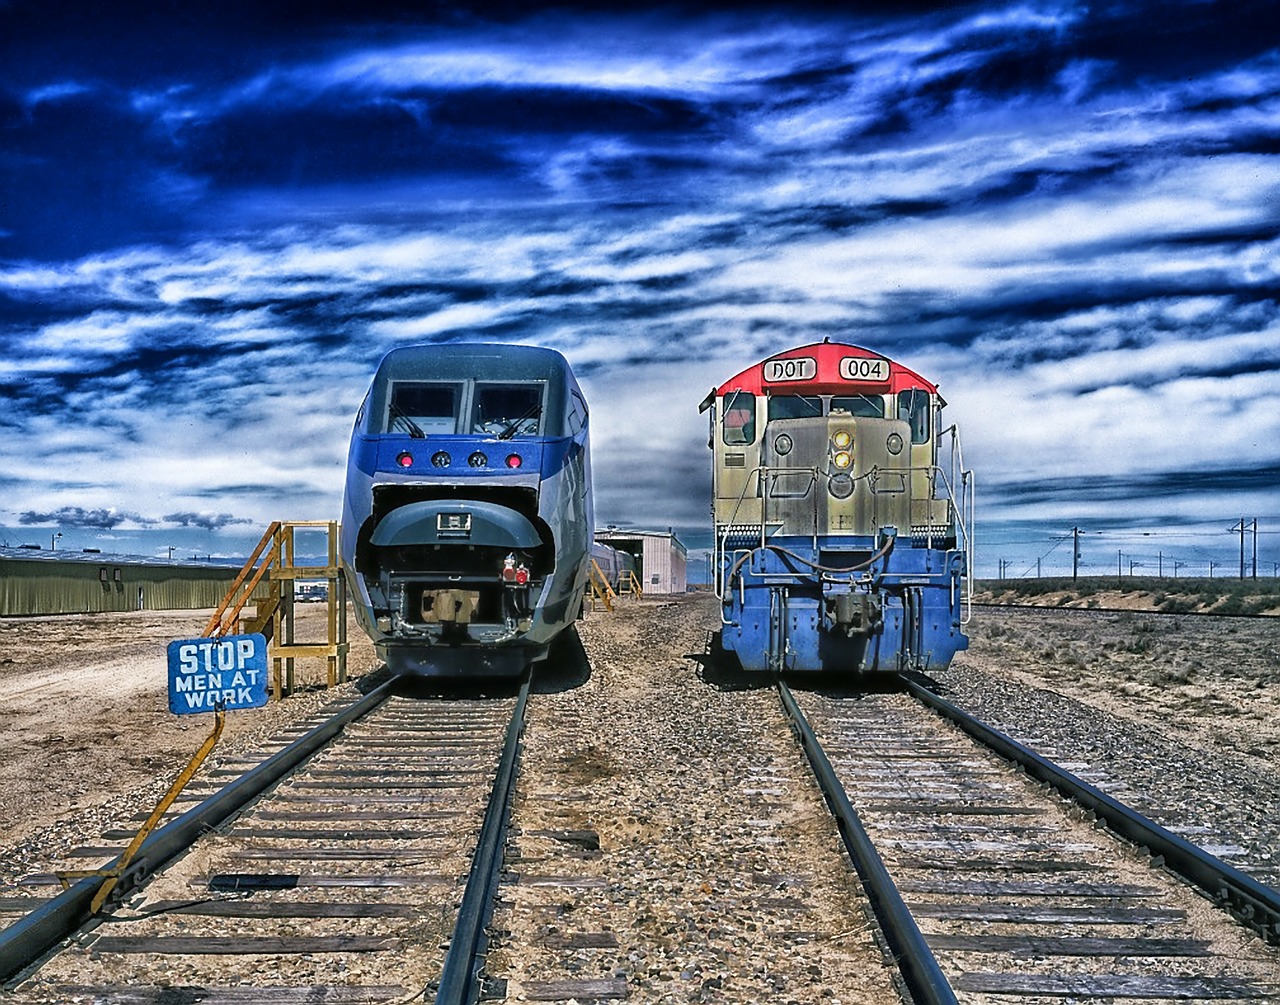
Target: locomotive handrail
point(961, 511)
point(964, 514)
point(879, 553)
point(724, 539)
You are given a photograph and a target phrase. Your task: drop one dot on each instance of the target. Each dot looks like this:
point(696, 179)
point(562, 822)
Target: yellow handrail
point(600, 587)
point(218, 624)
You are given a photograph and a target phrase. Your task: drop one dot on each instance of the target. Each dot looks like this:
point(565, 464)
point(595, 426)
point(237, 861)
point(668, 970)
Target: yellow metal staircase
point(599, 587)
point(272, 563)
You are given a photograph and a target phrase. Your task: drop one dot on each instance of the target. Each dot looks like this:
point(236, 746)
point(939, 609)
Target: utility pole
point(1241, 530)
point(1212, 565)
point(1160, 564)
point(1255, 547)
point(1075, 553)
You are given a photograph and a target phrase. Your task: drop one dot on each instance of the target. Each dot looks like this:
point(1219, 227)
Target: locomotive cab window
point(421, 409)
point(739, 422)
point(869, 406)
point(913, 406)
point(577, 417)
point(794, 406)
point(507, 410)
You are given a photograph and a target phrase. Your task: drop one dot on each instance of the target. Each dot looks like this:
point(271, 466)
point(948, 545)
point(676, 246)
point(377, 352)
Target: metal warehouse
point(70, 582)
point(661, 559)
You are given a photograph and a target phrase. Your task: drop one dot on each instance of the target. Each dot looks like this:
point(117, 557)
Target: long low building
point(33, 581)
point(661, 560)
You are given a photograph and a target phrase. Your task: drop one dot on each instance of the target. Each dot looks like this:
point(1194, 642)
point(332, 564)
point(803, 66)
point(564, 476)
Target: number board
point(797, 368)
point(228, 672)
point(864, 368)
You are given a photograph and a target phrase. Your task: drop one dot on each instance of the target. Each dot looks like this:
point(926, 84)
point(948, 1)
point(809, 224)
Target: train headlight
point(478, 460)
point(441, 459)
point(894, 443)
point(404, 459)
point(842, 439)
point(782, 444)
point(842, 459)
point(514, 460)
point(840, 486)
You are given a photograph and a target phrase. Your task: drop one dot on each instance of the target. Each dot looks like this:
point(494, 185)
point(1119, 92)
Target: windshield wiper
point(414, 429)
point(510, 431)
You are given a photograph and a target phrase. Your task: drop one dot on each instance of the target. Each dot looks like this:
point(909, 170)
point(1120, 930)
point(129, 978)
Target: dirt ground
point(1211, 682)
point(84, 714)
point(84, 720)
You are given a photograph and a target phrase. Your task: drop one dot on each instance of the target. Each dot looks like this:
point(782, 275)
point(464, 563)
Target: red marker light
point(404, 459)
point(514, 461)
point(522, 576)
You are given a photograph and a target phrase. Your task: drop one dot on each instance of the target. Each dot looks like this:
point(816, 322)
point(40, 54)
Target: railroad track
point(988, 886)
point(336, 871)
point(1132, 611)
point(669, 845)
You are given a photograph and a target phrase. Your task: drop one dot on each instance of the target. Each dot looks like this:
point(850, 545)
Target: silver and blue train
point(467, 513)
point(843, 515)
point(618, 567)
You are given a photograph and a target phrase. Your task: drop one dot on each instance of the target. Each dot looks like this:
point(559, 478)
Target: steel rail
point(459, 982)
point(1252, 903)
point(920, 971)
point(1047, 608)
point(27, 940)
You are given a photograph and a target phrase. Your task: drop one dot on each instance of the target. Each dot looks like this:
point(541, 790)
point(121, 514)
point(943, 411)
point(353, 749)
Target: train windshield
point(507, 410)
point(913, 406)
point(869, 406)
point(422, 409)
point(739, 424)
point(794, 406)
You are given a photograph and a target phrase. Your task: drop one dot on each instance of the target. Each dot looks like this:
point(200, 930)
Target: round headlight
point(894, 443)
point(440, 459)
point(840, 486)
point(842, 459)
point(782, 443)
point(478, 460)
point(842, 439)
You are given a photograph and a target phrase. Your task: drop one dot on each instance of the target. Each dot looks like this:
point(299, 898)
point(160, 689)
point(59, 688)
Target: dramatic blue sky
point(214, 221)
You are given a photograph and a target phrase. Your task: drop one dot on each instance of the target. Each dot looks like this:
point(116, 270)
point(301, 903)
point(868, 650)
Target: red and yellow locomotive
point(843, 514)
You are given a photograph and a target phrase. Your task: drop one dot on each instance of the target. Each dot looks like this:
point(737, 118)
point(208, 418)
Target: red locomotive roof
point(826, 368)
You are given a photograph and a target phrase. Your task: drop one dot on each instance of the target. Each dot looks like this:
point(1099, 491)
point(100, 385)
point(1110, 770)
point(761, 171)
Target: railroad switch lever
point(121, 867)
